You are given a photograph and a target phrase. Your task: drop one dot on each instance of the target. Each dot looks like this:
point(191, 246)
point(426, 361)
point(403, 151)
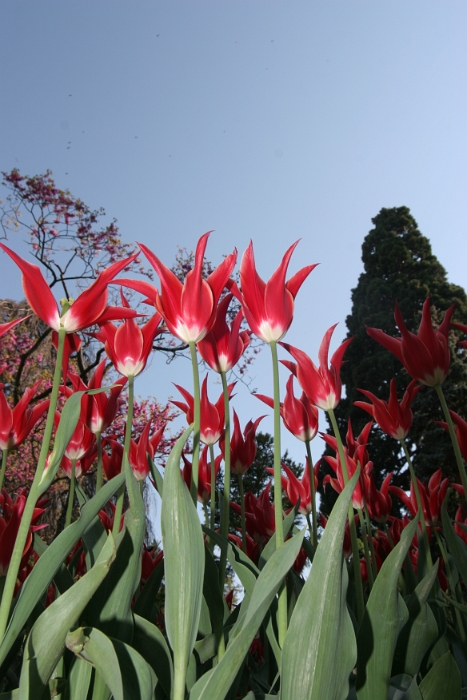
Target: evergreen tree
point(400, 266)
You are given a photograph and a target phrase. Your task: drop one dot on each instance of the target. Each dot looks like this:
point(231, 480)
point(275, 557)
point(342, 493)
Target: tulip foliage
point(362, 604)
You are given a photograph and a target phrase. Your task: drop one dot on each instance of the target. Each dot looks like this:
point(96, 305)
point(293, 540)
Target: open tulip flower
point(461, 327)
point(268, 306)
point(10, 520)
point(259, 512)
point(299, 489)
point(394, 418)
point(300, 416)
point(129, 345)
point(321, 384)
point(460, 429)
point(360, 494)
point(425, 356)
point(16, 423)
point(140, 450)
point(222, 347)
point(212, 415)
point(188, 309)
point(242, 445)
point(432, 497)
point(379, 502)
point(90, 307)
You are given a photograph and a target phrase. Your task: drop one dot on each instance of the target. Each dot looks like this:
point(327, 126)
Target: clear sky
point(258, 119)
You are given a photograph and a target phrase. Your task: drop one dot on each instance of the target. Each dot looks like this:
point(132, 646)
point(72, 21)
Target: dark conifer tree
point(400, 266)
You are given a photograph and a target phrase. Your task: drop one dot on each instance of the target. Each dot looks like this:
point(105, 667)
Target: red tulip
point(432, 497)
point(461, 327)
point(98, 410)
point(129, 345)
point(394, 418)
point(242, 446)
point(10, 520)
point(300, 416)
point(204, 474)
point(90, 307)
point(112, 464)
point(212, 415)
point(222, 347)
point(425, 356)
point(322, 385)
point(460, 428)
point(359, 496)
point(379, 502)
point(299, 488)
point(268, 307)
point(140, 450)
point(17, 423)
point(188, 309)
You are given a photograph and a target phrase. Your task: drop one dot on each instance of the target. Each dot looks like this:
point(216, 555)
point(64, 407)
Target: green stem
point(99, 462)
point(370, 540)
point(213, 491)
point(452, 433)
point(353, 529)
point(419, 500)
point(314, 531)
point(282, 600)
point(242, 505)
point(3, 468)
point(34, 494)
point(225, 510)
point(455, 592)
point(197, 422)
point(71, 494)
point(366, 548)
point(130, 481)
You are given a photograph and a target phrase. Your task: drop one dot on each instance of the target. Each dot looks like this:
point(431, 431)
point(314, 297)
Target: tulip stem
point(130, 481)
point(34, 493)
point(71, 494)
point(225, 510)
point(353, 530)
point(452, 433)
point(197, 422)
point(314, 532)
point(3, 468)
point(282, 601)
point(369, 568)
point(99, 462)
point(370, 541)
point(418, 498)
point(212, 523)
point(242, 505)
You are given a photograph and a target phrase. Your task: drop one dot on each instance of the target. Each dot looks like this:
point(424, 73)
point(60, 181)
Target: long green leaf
point(46, 642)
point(49, 563)
point(385, 615)
point(420, 631)
point(183, 544)
point(149, 641)
point(127, 675)
point(216, 684)
point(319, 650)
point(456, 545)
point(443, 680)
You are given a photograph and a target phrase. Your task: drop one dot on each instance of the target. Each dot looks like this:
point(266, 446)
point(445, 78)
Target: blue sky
point(261, 119)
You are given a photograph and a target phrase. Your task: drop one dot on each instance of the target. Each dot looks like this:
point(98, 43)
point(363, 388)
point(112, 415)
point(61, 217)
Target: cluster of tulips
point(379, 615)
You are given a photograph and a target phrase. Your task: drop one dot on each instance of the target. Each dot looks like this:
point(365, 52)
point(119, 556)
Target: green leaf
point(79, 679)
point(404, 687)
point(419, 632)
point(216, 683)
point(49, 563)
point(456, 544)
point(183, 544)
point(443, 680)
point(157, 476)
point(145, 603)
point(124, 671)
point(319, 650)
point(384, 617)
point(46, 641)
point(149, 641)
